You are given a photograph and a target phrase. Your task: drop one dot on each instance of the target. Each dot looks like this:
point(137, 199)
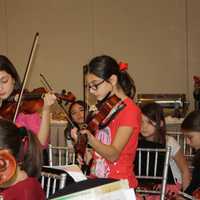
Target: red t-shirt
point(129, 116)
point(28, 189)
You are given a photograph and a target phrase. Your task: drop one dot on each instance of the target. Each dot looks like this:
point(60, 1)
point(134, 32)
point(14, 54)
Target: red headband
point(123, 66)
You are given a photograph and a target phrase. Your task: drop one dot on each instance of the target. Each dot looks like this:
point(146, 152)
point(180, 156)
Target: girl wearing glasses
point(36, 122)
point(114, 145)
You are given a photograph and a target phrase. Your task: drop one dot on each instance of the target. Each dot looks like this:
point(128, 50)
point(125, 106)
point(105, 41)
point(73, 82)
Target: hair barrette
point(123, 66)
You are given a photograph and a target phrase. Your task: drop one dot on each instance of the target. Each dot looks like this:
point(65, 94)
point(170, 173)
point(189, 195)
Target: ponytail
point(105, 66)
point(127, 84)
point(30, 153)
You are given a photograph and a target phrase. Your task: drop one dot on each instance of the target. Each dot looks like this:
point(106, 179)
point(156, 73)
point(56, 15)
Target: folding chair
point(187, 150)
point(174, 129)
point(52, 180)
point(61, 155)
point(150, 168)
point(186, 196)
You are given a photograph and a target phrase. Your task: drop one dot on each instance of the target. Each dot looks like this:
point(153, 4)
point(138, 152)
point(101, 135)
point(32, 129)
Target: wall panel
point(158, 38)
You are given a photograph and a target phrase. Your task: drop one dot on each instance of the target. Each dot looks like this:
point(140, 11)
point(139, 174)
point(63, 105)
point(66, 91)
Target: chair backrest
point(178, 135)
point(187, 150)
point(174, 129)
point(52, 180)
point(154, 174)
point(61, 155)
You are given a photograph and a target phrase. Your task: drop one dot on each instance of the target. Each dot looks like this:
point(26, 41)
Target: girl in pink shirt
point(10, 82)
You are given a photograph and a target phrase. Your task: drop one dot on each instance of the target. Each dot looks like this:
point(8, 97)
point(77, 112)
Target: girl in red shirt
point(114, 145)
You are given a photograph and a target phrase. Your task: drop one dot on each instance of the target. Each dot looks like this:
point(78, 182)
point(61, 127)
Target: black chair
point(53, 180)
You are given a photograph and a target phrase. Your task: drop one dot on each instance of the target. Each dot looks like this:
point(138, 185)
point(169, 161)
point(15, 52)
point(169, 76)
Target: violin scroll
point(7, 166)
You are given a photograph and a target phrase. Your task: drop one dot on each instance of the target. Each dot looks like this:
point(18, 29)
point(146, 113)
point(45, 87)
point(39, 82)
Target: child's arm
point(183, 166)
point(43, 133)
point(111, 152)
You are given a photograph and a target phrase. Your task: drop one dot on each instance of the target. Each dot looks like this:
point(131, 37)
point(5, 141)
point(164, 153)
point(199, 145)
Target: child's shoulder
point(172, 142)
point(130, 104)
point(28, 181)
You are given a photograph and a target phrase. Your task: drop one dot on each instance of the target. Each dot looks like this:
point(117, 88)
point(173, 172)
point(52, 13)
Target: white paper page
point(73, 170)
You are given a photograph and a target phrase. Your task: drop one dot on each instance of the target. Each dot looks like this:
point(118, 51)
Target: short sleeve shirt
point(31, 122)
point(28, 189)
point(175, 147)
point(129, 116)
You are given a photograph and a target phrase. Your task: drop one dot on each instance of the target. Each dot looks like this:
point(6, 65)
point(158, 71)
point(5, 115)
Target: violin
point(31, 102)
point(105, 114)
point(7, 166)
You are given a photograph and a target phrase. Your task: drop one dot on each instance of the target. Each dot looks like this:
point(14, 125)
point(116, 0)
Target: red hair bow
point(196, 80)
point(123, 66)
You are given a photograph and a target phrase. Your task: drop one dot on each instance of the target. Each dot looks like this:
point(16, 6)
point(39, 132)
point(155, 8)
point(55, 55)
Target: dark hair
point(105, 66)
point(191, 122)
point(79, 102)
point(12, 138)
point(69, 125)
point(7, 66)
point(154, 112)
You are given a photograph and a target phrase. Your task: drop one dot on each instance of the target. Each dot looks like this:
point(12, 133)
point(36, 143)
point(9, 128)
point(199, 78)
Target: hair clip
point(22, 131)
point(123, 66)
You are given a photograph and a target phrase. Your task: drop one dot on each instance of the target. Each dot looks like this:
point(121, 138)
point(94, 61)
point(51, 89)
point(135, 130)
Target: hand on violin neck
point(88, 133)
point(74, 134)
point(49, 99)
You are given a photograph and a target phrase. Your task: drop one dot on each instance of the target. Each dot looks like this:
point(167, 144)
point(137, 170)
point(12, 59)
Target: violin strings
point(46, 82)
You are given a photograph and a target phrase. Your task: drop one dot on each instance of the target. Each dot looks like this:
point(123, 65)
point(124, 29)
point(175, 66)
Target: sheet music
point(118, 190)
point(125, 194)
point(73, 170)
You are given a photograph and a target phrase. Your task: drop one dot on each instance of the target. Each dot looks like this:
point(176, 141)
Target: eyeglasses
point(94, 87)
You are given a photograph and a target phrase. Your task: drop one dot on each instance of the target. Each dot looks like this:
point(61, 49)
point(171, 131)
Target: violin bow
point(85, 94)
point(44, 81)
point(26, 74)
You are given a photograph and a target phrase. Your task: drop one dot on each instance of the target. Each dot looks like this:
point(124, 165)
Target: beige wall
point(3, 28)
point(158, 38)
point(193, 50)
